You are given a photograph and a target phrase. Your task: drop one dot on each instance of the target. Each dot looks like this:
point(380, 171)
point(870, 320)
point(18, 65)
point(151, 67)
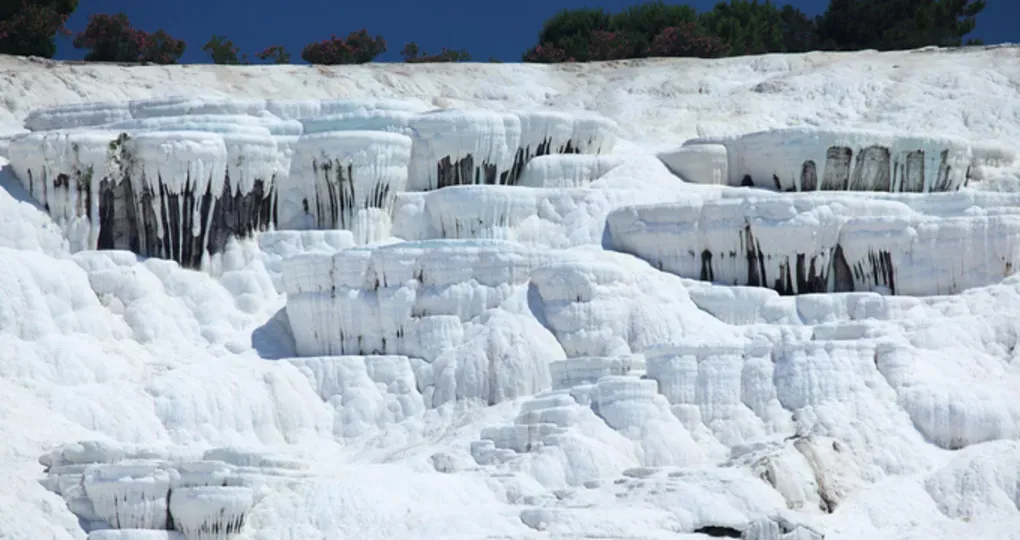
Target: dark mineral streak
point(466, 171)
point(874, 169)
point(336, 200)
point(132, 220)
point(803, 273)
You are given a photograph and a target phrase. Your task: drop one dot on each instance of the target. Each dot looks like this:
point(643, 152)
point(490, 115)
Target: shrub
point(412, 53)
point(606, 45)
point(358, 48)
point(749, 26)
point(112, 39)
point(275, 54)
point(569, 31)
point(223, 51)
point(643, 22)
point(28, 27)
point(687, 40)
point(547, 53)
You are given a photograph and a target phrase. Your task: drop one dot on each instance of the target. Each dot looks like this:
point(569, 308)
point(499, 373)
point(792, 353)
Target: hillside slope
point(725, 410)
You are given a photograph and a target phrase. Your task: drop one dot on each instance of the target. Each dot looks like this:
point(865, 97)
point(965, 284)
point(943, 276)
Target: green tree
point(111, 38)
point(897, 24)
point(594, 34)
point(800, 32)
point(749, 26)
point(571, 31)
point(29, 27)
point(223, 51)
point(642, 23)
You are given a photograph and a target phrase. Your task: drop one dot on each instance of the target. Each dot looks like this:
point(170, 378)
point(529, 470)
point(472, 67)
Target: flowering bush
point(412, 53)
point(112, 39)
point(28, 28)
point(275, 54)
point(606, 45)
point(687, 40)
point(547, 53)
point(358, 48)
point(223, 51)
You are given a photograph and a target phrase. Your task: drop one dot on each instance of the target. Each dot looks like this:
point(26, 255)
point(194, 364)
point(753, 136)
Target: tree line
point(650, 29)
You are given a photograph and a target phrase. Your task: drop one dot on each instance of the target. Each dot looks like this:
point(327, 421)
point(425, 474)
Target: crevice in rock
point(718, 531)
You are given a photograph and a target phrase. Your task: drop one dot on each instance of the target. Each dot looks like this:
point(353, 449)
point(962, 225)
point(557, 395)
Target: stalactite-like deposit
point(210, 513)
point(854, 160)
point(179, 177)
point(804, 243)
point(130, 495)
point(345, 180)
point(460, 147)
point(173, 195)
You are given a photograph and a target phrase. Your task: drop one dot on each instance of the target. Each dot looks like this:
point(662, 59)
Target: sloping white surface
point(856, 415)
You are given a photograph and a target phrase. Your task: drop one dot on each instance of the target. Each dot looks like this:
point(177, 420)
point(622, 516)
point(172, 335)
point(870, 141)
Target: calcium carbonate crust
point(657, 338)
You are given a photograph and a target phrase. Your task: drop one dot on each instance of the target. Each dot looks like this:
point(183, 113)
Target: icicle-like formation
point(812, 159)
point(126, 488)
point(131, 495)
point(345, 180)
point(64, 171)
point(171, 194)
point(167, 203)
point(456, 147)
point(804, 243)
point(405, 299)
point(177, 177)
point(549, 132)
point(210, 513)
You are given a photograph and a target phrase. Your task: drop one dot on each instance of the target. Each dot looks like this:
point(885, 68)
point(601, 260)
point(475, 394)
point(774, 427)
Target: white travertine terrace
point(812, 159)
point(177, 178)
point(543, 329)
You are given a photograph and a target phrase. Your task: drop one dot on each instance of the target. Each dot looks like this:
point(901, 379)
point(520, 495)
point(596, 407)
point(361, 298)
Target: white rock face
point(808, 243)
point(176, 178)
point(345, 180)
point(810, 159)
point(132, 493)
point(501, 321)
point(367, 392)
point(134, 534)
point(427, 300)
point(704, 163)
point(566, 170)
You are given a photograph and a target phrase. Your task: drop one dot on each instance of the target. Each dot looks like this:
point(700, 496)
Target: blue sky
point(485, 29)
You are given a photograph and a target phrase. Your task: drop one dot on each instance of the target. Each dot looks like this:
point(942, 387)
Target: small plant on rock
point(357, 48)
point(547, 53)
point(274, 54)
point(223, 51)
point(413, 54)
